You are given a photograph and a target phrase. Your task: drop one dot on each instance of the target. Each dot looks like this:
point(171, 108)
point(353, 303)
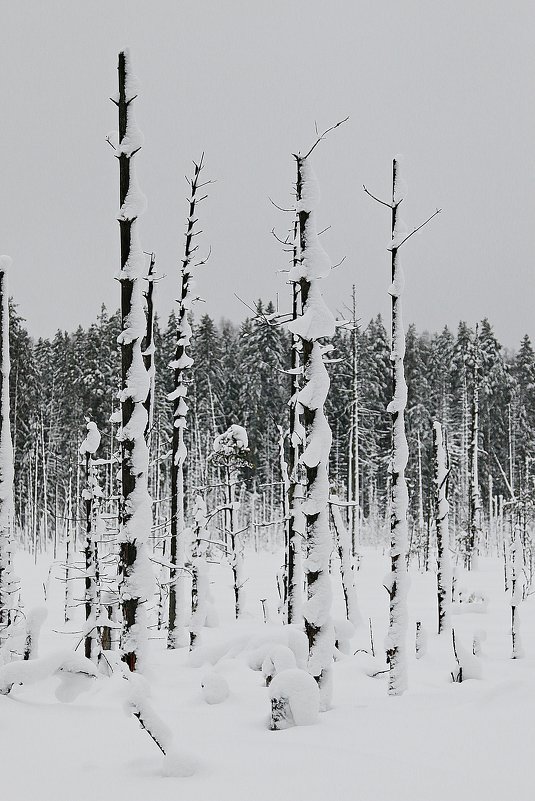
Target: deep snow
point(440, 741)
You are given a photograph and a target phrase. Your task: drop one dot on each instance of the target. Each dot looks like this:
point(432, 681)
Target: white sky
point(448, 84)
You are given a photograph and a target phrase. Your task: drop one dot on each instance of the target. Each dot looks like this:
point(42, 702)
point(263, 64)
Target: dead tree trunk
point(397, 589)
point(395, 653)
point(474, 498)
point(181, 364)
point(295, 522)
point(93, 643)
point(148, 346)
point(354, 471)
point(8, 584)
point(441, 473)
point(314, 325)
point(135, 513)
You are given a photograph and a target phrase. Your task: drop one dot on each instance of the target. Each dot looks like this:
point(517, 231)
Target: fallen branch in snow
point(138, 704)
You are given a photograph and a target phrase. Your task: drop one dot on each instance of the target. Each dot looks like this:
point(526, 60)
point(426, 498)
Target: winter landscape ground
point(440, 740)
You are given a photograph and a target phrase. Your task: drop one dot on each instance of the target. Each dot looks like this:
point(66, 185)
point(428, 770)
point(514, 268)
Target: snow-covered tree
point(474, 499)
point(201, 598)
point(397, 581)
point(343, 546)
point(8, 581)
point(148, 344)
point(353, 495)
point(229, 451)
point(313, 326)
point(91, 496)
point(135, 514)
point(441, 474)
point(397, 586)
point(181, 363)
point(517, 581)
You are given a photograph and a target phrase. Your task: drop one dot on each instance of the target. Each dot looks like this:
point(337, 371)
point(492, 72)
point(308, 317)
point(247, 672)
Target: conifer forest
point(284, 556)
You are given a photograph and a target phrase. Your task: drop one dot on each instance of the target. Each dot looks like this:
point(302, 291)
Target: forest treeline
point(239, 377)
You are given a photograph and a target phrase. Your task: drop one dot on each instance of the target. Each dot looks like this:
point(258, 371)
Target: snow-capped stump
point(278, 658)
point(214, 688)
point(295, 699)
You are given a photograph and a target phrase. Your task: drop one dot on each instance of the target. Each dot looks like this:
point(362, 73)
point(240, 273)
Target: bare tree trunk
point(354, 472)
point(441, 473)
point(517, 573)
point(7, 580)
point(474, 516)
point(343, 545)
point(395, 651)
point(148, 346)
point(181, 364)
point(421, 518)
point(68, 550)
point(295, 522)
point(92, 643)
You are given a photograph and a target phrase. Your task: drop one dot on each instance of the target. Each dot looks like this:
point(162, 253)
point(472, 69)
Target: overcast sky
point(447, 84)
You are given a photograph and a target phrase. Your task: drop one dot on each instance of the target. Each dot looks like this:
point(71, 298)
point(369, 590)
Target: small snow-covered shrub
point(295, 699)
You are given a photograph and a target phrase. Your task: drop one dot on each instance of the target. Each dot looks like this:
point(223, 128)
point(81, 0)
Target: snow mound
point(215, 688)
point(278, 658)
point(178, 765)
point(344, 631)
point(294, 638)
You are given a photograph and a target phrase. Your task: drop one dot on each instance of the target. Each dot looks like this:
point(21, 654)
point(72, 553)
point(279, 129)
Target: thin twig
point(322, 136)
point(397, 247)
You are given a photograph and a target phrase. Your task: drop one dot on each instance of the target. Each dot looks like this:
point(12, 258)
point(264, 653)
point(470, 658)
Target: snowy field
point(71, 740)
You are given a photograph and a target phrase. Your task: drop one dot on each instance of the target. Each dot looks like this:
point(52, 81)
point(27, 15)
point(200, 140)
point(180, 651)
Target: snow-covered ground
point(440, 741)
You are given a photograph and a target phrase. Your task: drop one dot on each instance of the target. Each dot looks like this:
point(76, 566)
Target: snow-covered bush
point(295, 699)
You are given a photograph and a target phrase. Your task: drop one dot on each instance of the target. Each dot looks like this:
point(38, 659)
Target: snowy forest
point(304, 540)
point(240, 375)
